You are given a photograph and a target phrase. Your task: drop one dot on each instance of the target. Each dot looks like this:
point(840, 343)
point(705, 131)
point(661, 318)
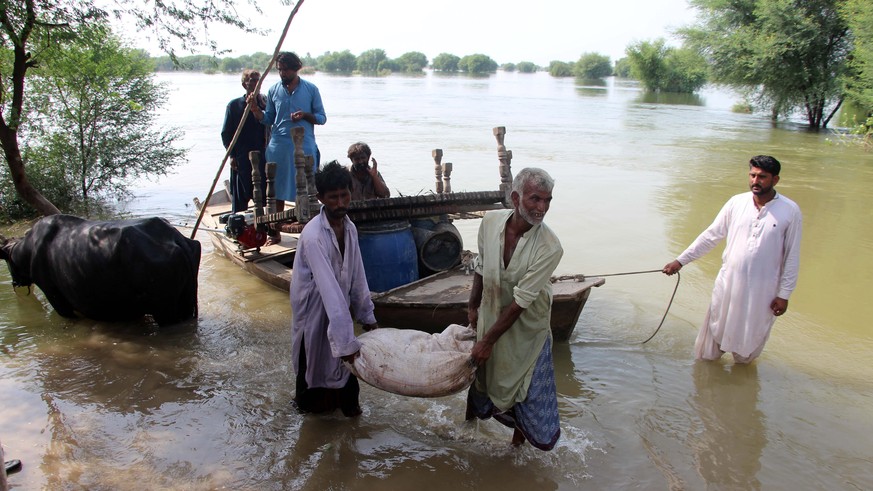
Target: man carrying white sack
point(328, 287)
point(510, 308)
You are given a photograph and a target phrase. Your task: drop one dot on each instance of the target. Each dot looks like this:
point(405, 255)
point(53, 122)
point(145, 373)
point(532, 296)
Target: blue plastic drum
point(389, 254)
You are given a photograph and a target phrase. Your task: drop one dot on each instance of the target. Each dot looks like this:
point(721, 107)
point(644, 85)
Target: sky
point(508, 31)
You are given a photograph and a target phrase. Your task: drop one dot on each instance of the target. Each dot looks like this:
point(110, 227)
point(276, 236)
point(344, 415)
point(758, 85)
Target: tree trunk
point(9, 130)
point(9, 140)
point(834, 112)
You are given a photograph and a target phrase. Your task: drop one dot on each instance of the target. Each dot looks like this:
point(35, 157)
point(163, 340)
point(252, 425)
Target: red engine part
point(251, 237)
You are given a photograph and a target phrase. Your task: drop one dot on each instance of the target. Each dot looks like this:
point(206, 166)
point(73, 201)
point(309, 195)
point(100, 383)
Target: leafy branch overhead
point(33, 31)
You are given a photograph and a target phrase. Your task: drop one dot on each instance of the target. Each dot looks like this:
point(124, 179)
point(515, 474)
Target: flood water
point(206, 405)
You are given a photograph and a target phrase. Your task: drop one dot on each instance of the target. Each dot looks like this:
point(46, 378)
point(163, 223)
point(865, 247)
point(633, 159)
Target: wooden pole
point(447, 176)
point(505, 158)
point(302, 202)
point(314, 206)
point(437, 155)
point(270, 169)
point(242, 120)
point(257, 192)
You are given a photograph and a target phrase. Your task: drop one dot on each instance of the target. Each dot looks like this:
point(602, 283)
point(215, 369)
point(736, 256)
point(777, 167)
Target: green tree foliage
point(508, 67)
point(622, 68)
point(859, 15)
point(307, 59)
point(445, 62)
point(368, 61)
point(592, 66)
point(337, 62)
point(389, 66)
point(230, 65)
point(93, 120)
point(787, 55)
point(412, 62)
point(211, 64)
point(560, 69)
point(526, 67)
point(477, 64)
point(662, 68)
point(30, 30)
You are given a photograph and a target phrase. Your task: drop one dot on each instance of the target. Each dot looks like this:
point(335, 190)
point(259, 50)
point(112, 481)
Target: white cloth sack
point(417, 364)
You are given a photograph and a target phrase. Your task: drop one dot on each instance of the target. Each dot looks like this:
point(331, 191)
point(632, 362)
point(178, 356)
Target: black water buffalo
point(111, 271)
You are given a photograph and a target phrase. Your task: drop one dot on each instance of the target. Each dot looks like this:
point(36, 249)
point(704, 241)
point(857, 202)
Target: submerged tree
point(412, 62)
point(337, 62)
point(93, 112)
point(592, 66)
point(662, 68)
point(31, 29)
point(787, 55)
point(526, 67)
point(560, 68)
point(859, 14)
point(622, 68)
point(477, 64)
point(446, 62)
point(369, 61)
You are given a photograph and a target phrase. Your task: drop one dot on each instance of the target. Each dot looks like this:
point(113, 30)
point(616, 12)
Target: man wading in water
point(510, 307)
point(759, 270)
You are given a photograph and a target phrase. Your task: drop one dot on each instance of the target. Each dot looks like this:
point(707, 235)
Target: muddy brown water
point(206, 404)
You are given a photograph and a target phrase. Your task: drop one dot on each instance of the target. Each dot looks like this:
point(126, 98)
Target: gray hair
point(535, 176)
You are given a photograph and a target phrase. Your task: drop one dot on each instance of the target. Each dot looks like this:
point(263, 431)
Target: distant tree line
point(370, 62)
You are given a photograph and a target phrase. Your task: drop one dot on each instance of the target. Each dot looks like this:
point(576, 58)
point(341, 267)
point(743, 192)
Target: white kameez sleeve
point(791, 256)
point(340, 329)
point(709, 238)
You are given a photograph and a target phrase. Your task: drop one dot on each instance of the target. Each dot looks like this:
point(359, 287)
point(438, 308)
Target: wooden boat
point(432, 303)
point(271, 264)
point(428, 304)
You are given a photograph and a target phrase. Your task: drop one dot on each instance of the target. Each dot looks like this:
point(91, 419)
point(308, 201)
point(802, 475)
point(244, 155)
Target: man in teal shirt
point(291, 102)
point(510, 308)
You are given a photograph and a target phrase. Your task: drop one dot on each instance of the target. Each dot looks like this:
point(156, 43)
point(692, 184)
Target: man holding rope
point(510, 308)
point(759, 269)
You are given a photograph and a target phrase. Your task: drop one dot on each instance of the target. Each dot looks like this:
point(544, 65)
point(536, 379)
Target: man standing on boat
point(252, 137)
point(510, 307)
point(759, 266)
point(290, 102)
point(328, 287)
point(367, 182)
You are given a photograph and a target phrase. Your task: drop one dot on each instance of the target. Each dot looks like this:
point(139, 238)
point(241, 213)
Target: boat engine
point(242, 229)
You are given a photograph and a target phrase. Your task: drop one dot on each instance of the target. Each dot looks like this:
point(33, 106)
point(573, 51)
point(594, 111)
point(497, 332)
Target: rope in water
point(669, 304)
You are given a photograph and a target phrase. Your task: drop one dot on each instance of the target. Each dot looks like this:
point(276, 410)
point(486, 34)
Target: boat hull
point(432, 303)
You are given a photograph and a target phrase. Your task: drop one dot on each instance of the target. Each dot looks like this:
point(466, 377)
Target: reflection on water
point(206, 405)
point(731, 434)
point(670, 98)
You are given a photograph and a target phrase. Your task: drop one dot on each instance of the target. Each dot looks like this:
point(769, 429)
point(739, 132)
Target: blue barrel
point(389, 254)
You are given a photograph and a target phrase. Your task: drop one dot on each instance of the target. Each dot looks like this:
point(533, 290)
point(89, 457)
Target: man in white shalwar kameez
point(760, 265)
point(328, 287)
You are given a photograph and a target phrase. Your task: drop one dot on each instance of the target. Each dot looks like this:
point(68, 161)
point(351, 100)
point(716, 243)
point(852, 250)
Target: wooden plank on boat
point(432, 303)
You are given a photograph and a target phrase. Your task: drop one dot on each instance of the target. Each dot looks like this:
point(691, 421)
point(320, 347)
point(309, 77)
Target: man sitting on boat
point(328, 287)
point(510, 307)
point(367, 182)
